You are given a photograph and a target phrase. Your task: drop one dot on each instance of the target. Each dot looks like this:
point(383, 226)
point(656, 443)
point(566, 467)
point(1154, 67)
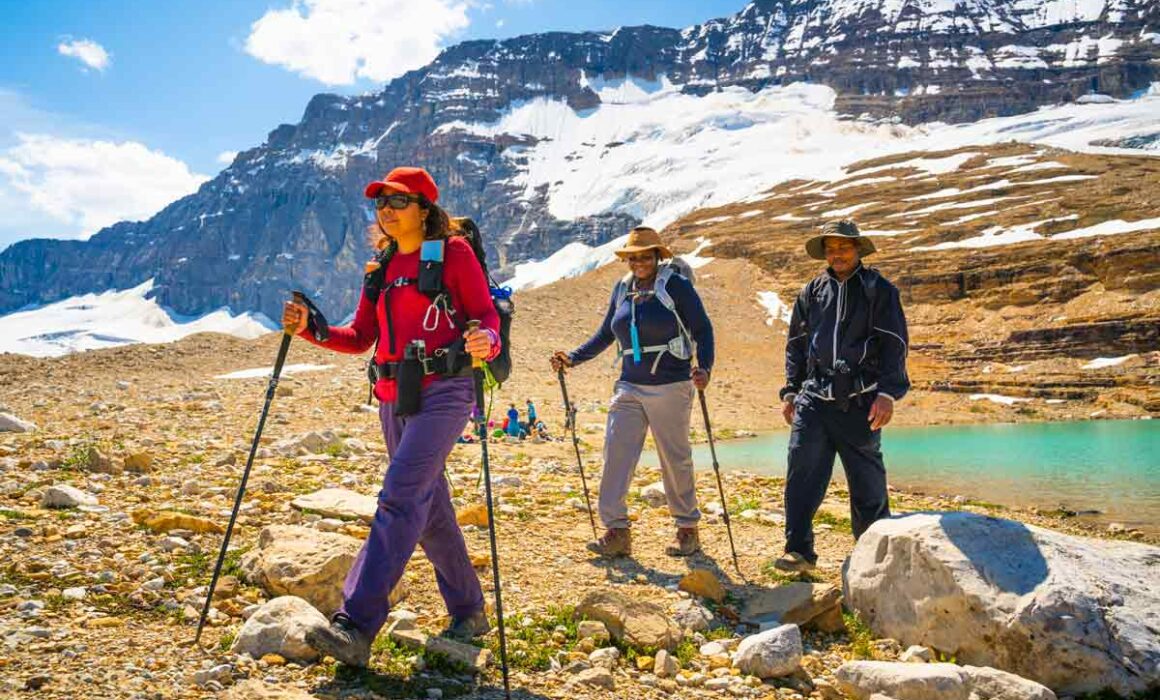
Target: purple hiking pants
point(415, 508)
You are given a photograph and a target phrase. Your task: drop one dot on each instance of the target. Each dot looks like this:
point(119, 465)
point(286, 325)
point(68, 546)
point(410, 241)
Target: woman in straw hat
point(658, 321)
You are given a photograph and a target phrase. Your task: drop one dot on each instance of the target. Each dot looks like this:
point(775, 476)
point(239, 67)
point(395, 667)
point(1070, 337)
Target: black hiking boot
point(342, 641)
point(465, 629)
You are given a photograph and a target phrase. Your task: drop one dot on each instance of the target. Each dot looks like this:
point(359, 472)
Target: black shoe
point(341, 640)
point(464, 629)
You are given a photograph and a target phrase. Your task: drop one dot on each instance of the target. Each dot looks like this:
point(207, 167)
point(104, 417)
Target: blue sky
point(111, 109)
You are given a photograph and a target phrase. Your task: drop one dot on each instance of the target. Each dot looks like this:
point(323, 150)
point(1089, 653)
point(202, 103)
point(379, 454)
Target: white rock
point(654, 494)
point(776, 652)
point(279, 627)
point(11, 424)
point(712, 649)
point(605, 658)
point(915, 654)
point(665, 665)
point(65, 496)
point(904, 681)
point(338, 503)
point(1072, 613)
point(691, 615)
point(77, 593)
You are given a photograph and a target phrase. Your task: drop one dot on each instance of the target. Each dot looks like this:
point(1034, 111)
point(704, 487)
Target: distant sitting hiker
point(657, 318)
point(513, 421)
point(531, 413)
point(426, 397)
point(845, 366)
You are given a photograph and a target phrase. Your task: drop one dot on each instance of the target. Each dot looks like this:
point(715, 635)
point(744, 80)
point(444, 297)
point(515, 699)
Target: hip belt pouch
point(409, 382)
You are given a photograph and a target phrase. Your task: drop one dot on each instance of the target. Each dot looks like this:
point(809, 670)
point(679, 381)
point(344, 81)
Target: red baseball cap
point(406, 180)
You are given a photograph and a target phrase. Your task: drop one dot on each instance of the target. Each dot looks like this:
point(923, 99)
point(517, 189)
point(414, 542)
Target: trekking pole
point(270, 389)
point(570, 412)
point(717, 471)
point(481, 424)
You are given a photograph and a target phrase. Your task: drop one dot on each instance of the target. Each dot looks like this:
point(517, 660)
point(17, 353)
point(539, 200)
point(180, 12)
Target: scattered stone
point(635, 622)
point(301, 561)
point(916, 654)
point(776, 652)
point(279, 627)
point(1071, 613)
point(605, 657)
point(701, 582)
point(255, 689)
point(169, 520)
point(595, 677)
point(798, 603)
point(665, 665)
point(592, 629)
point(93, 460)
point(654, 494)
point(338, 503)
point(139, 462)
point(472, 657)
point(11, 424)
point(473, 515)
point(692, 616)
point(906, 681)
point(65, 496)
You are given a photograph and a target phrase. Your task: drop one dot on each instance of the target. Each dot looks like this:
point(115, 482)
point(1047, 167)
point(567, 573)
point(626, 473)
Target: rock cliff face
point(288, 213)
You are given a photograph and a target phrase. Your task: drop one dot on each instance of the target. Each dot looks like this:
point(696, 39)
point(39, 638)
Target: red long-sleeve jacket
point(470, 297)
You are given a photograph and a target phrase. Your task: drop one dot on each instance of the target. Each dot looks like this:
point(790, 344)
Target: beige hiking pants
point(664, 409)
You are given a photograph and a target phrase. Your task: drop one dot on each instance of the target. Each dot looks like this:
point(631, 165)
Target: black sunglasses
point(394, 201)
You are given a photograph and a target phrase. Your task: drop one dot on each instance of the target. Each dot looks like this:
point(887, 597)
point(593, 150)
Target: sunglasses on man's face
point(647, 257)
point(394, 201)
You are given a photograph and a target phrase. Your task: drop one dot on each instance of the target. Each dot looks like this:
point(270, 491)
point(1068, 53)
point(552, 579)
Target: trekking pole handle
point(473, 326)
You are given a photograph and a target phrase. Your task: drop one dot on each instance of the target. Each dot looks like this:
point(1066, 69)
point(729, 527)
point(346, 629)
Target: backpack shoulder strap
point(661, 287)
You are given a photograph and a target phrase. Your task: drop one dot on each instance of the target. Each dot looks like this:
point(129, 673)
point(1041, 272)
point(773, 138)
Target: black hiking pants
point(821, 430)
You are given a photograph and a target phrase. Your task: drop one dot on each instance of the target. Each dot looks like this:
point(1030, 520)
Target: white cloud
point(85, 185)
point(341, 41)
point(227, 157)
point(87, 52)
point(499, 23)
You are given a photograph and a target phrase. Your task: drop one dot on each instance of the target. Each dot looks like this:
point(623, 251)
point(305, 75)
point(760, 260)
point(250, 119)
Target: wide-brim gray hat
point(845, 228)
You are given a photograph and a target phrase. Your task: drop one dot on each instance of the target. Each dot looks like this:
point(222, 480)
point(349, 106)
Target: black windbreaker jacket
point(859, 322)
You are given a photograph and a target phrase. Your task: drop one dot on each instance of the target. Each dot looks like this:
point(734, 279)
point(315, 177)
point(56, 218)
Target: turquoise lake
point(1109, 466)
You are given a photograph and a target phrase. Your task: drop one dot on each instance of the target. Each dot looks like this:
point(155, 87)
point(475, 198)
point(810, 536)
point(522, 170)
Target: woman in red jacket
point(424, 407)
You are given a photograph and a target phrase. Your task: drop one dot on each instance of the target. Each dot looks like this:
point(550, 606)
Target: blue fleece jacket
point(656, 325)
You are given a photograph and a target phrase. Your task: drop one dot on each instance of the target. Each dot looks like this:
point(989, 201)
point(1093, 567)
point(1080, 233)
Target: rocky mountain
point(540, 137)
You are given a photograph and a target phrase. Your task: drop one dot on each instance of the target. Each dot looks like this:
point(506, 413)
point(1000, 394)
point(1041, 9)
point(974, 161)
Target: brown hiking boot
point(686, 543)
point(615, 542)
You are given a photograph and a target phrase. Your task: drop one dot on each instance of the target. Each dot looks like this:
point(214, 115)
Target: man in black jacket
point(845, 366)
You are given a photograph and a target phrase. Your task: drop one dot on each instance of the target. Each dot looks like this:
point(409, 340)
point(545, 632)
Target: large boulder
point(338, 503)
point(773, 653)
point(279, 627)
point(636, 622)
point(865, 679)
point(1075, 614)
point(300, 561)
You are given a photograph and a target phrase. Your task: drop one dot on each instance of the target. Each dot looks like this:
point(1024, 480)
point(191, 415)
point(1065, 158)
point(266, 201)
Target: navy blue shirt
point(656, 325)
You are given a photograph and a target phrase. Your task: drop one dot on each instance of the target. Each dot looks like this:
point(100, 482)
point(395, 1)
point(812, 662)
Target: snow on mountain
point(109, 319)
point(663, 154)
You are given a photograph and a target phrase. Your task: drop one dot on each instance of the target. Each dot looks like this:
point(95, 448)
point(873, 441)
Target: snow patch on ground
point(998, 398)
point(1102, 362)
point(572, 260)
point(776, 308)
point(113, 318)
point(267, 371)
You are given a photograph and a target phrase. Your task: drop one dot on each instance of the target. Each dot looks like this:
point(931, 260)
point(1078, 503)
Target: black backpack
point(431, 283)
